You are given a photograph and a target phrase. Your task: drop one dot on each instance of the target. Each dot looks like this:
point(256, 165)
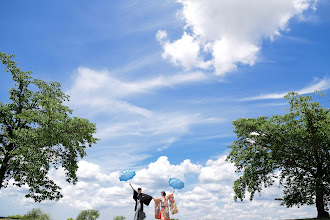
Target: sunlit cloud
point(221, 35)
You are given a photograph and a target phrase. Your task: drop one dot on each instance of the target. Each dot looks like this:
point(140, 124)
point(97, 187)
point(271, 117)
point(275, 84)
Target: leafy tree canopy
point(295, 148)
point(36, 214)
point(119, 218)
point(91, 214)
point(37, 132)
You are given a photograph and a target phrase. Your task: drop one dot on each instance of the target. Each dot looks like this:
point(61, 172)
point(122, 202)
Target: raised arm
point(135, 193)
point(132, 187)
point(171, 195)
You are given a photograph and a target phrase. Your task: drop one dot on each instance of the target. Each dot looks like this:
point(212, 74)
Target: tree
point(91, 214)
point(119, 218)
point(295, 148)
point(15, 217)
point(37, 132)
point(36, 214)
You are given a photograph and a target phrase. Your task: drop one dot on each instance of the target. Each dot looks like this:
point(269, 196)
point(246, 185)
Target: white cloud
point(317, 84)
point(208, 197)
point(184, 51)
point(92, 172)
point(227, 52)
point(158, 173)
point(231, 32)
point(217, 171)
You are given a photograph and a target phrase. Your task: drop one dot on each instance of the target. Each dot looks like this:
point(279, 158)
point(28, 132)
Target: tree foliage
point(91, 214)
point(295, 148)
point(36, 214)
point(38, 132)
point(119, 218)
point(15, 217)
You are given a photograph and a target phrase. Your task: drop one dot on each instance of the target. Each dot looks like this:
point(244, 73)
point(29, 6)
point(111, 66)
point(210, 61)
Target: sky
point(163, 80)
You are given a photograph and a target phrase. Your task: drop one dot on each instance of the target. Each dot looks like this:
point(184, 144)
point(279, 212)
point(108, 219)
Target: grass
point(310, 219)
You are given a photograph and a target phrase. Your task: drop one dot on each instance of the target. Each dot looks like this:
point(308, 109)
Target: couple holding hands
point(162, 209)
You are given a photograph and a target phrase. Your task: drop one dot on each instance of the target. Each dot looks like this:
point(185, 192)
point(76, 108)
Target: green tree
point(36, 214)
point(295, 148)
point(37, 132)
point(91, 214)
point(119, 218)
point(16, 217)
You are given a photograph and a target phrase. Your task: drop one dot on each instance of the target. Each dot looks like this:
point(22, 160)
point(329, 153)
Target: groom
point(140, 199)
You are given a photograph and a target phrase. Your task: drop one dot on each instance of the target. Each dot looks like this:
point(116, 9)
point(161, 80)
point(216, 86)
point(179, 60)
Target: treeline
point(38, 214)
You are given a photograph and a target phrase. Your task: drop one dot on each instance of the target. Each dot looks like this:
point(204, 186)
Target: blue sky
point(163, 80)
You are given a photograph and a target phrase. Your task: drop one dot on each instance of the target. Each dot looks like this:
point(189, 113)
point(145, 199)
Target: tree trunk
point(321, 213)
point(5, 163)
point(3, 169)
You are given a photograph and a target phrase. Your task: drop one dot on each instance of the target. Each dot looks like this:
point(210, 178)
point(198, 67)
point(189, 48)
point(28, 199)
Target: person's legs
point(137, 212)
point(136, 216)
point(142, 215)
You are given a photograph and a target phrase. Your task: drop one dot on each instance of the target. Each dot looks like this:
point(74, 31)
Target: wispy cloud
point(102, 92)
point(300, 40)
point(323, 84)
point(137, 64)
point(108, 101)
point(89, 81)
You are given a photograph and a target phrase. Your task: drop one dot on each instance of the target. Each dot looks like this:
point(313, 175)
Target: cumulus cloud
point(184, 52)
point(92, 172)
point(223, 34)
point(217, 171)
point(208, 197)
point(158, 173)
